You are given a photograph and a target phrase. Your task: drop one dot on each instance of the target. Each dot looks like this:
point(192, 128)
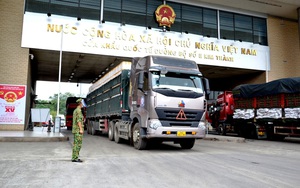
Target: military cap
point(79, 100)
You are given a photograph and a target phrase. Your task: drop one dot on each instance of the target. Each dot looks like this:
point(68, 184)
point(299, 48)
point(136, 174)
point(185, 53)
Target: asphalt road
point(254, 163)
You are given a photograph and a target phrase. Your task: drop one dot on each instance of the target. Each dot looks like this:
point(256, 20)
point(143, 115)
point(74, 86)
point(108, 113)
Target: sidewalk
point(39, 134)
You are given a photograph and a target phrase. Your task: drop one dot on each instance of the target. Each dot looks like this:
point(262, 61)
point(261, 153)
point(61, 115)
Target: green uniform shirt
point(77, 117)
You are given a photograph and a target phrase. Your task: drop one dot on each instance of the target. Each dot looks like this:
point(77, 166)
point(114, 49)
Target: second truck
point(151, 99)
point(269, 110)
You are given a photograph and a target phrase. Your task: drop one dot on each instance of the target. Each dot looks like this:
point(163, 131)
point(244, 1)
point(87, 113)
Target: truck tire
point(88, 131)
point(187, 143)
point(222, 129)
point(111, 133)
point(93, 131)
point(116, 133)
point(138, 142)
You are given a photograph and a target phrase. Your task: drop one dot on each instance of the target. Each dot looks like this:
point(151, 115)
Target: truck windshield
point(176, 81)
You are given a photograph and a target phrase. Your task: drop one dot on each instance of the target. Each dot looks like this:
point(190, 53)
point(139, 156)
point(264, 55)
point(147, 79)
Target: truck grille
point(168, 117)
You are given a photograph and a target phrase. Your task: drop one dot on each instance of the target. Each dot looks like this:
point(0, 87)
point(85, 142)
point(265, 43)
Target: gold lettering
point(131, 38)
point(57, 28)
point(246, 51)
point(211, 57)
point(206, 46)
point(100, 33)
point(50, 27)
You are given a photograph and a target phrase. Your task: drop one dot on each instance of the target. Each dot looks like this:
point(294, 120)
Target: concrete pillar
point(298, 10)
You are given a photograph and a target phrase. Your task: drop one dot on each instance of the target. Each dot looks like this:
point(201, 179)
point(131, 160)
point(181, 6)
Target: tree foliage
point(52, 103)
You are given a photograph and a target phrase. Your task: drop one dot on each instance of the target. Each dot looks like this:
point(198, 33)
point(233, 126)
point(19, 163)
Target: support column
point(298, 10)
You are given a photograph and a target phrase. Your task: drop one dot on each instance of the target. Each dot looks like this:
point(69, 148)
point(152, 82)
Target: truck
point(150, 100)
point(263, 111)
point(70, 107)
point(220, 113)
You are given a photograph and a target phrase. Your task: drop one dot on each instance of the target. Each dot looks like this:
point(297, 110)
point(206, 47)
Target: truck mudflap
point(177, 132)
point(261, 132)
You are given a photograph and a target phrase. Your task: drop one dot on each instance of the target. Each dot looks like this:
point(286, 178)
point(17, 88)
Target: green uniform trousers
point(76, 145)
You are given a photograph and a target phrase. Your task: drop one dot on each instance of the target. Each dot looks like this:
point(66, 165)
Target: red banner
point(11, 93)
point(12, 104)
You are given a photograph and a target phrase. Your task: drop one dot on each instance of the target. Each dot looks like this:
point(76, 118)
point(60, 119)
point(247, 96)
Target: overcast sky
point(45, 89)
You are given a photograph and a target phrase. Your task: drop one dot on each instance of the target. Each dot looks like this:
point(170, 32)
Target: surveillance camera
point(31, 56)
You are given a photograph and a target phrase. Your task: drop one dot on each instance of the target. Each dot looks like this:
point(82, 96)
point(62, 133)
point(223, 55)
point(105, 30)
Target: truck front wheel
point(187, 143)
point(111, 126)
point(222, 129)
point(138, 142)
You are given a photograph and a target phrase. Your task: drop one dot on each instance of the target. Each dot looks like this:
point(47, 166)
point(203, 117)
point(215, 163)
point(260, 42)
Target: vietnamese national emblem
point(165, 15)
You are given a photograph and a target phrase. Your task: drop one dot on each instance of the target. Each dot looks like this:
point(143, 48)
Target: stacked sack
point(274, 113)
point(293, 113)
point(243, 113)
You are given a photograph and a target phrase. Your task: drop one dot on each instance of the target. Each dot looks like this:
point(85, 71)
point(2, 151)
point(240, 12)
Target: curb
point(34, 139)
point(225, 138)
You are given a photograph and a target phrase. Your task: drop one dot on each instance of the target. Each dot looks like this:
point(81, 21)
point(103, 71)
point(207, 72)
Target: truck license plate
point(181, 133)
point(261, 133)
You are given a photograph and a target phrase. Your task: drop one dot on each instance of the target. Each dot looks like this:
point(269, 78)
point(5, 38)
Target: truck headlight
point(154, 124)
point(202, 125)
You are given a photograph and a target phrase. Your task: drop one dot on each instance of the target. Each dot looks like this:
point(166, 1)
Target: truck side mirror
point(206, 86)
point(141, 80)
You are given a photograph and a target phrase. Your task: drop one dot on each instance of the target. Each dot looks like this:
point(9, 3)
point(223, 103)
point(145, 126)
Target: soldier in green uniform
point(77, 130)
